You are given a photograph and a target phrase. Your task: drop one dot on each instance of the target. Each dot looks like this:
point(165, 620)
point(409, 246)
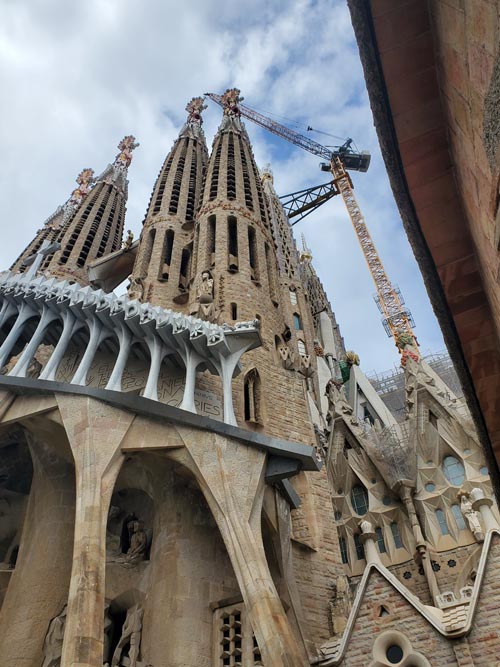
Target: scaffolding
point(390, 385)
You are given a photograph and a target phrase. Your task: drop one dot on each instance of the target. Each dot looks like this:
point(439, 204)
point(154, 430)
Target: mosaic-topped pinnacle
point(231, 102)
point(195, 107)
point(124, 157)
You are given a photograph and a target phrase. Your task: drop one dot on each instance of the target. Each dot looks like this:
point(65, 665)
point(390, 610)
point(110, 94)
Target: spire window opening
point(176, 187)
point(163, 181)
point(167, 254)
point(443, 526)
point(246, 178)
point(270, 273)
point(252, 395)
point(252, 253)
point(146, 256)
point(78, 229)
point(87, 245)
point(210, 245)
point(231, 170)
point(184, 270)
point(232, 244)
point(234, 312)
point(214, 181)
point(192, 188)
point(396, 535)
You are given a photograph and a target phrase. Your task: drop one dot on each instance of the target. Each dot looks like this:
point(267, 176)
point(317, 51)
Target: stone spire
point(92, 227)
point(162, 269)
point(56, 224)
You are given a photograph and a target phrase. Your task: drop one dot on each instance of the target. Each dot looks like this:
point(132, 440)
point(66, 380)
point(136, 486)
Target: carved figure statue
point(205, 298)
point(52, 646)
point(128, 241)
point(131, 634)
point(471, 515)
point(337, 401)
point(136, 288)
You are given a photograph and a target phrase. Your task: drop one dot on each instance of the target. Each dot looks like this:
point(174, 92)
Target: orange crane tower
point(397, 319)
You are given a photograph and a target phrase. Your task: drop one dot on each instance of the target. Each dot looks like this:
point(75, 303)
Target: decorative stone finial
point(124, 157)
point(195, 107)
point(306, 254)
point(231, 101)
point(85, 180)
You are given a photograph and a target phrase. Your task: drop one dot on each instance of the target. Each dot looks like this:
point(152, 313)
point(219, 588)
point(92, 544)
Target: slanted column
point(234, 489)
point(157, 351)
point(95, 431)
point(25, 313)
point(8, 309)
point(69, 328)
point(124, 336)
point(97, 335)
point(21, 368)
point(192, 361)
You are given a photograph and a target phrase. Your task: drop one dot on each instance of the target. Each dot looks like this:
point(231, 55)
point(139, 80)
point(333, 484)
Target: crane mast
point(397, 320)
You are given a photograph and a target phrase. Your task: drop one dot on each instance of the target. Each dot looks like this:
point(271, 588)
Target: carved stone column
point(231, 478)
point(95, 431)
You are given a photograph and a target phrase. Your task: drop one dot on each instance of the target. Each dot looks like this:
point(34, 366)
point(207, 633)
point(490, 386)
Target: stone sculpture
point(53, 644)
point(470, 515)
point(131, 634)
point(205, 298)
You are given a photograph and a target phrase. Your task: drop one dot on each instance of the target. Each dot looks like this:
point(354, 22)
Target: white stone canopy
point(196, 344)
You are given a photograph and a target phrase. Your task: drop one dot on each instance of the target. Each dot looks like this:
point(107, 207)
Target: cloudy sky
point(76, 77)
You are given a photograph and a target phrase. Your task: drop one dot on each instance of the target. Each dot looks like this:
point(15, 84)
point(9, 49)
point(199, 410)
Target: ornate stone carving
point(131, 635)
point(53, 644)
point(205, 298)
point(195, 107)
point(124, 157)
point(470, 515)
point(128, 241)
point(136, 288)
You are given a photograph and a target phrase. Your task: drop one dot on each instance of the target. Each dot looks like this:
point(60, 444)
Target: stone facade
point(199, 474)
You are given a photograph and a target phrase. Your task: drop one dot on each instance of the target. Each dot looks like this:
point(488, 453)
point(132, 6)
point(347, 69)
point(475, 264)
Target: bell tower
point(163, 266)
point(96, 226)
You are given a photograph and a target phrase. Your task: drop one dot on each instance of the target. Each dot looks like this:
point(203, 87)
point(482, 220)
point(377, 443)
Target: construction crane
point(397, 319)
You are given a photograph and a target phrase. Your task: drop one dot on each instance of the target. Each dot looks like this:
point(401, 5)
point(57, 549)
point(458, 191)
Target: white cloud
point(76, 77)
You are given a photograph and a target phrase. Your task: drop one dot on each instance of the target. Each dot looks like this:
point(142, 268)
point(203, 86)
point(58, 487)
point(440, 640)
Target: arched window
point(380, 540)
point(459, 519)
point(302, 348)
point(359, 499)
point(454, 470)
point(167, 254)
point(396, 535)
point(293, 297)
point(360, 550)
point(442, 522)
point(252, 396)
point(252, 253)
point(234, 311)
point(343, 550)
point(296, 322)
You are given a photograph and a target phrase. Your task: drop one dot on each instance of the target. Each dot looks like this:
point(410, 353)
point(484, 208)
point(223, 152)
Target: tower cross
point(35, 261)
